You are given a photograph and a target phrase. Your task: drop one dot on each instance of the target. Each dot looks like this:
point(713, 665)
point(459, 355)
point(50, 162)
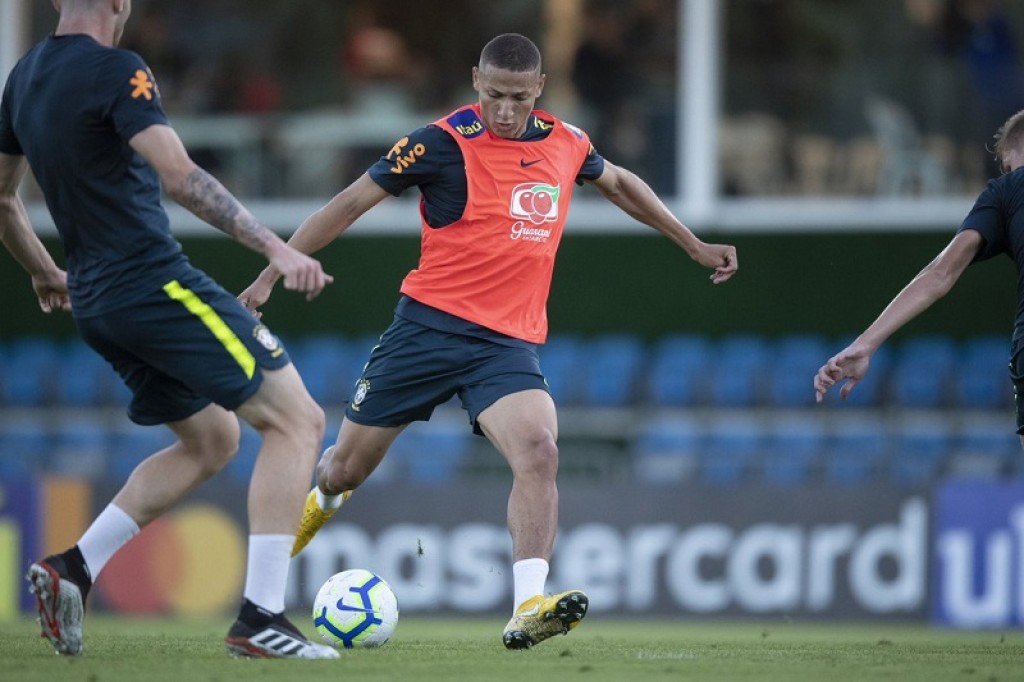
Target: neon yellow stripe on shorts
point(215, 324)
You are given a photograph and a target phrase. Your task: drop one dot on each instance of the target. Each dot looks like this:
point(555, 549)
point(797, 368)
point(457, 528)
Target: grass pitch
point(602, 649)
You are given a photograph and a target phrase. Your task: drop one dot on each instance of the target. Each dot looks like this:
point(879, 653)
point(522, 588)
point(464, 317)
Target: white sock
point(266, 576)
point(328, 501)
point(529, 576)
point(111, 531)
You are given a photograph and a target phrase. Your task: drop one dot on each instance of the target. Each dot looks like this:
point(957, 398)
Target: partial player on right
point(994, 226)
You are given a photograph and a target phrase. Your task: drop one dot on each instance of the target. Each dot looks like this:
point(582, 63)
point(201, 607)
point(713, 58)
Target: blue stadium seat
point(923, 372)
point(30, 371)
point(239, 469)
point(985, 446)
point(666, 451)
point(791, 367)
point(793, 449)
point(560, 362)
point(732, 445)
point(86, 379)
point(920, 447)
point(130, 444)
point(612, 370)
point(738, 370)
point(325, 363)
point(80, 447)
point(25, 444)
point(856, 450)
point(677, 375)
point(982, 379)
point(433, 452)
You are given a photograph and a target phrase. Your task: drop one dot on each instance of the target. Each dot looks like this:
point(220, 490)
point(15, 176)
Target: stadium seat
point(24, 446)
point(732, 445)
point(923, 372)
point(326, 366)
point(856, 449)
point(30, 371)
point(985, 446)
point(738, 368)
point(131, 443)
point(793, 447)
point(982, 380)
point(86, 379)
point(560, 362)
point(791, 367)
point(80, 446)
point(612, 370)
point(920, 447)
point(677, 374)
point(433, 452)
point(239, 469)
point(666, 451)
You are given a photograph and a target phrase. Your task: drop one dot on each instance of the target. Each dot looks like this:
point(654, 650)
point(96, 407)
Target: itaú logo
point(190, 562)
point(535, 202)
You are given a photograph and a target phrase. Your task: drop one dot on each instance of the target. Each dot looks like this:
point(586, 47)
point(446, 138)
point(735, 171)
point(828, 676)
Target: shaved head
point(511, 52)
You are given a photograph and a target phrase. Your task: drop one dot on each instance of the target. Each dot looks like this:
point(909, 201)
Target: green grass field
point(602, 649)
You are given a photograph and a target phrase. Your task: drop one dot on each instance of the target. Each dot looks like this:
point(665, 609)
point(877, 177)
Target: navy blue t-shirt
point(70, 107)
point(440, 171)
point(998, 214)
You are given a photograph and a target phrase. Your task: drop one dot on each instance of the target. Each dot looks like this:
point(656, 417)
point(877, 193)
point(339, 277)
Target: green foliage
point(606, 648)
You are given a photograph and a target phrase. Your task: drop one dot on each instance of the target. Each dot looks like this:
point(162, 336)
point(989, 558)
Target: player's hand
point(300, 272)
point(722, 258)
point(52, 291)
point(850, 364)
point(258, 293)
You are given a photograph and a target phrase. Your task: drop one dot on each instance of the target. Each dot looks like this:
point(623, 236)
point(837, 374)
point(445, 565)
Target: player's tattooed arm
point(208, 199)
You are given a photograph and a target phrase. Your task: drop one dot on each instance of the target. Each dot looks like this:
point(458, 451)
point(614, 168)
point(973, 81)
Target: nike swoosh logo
point(526, 164)
point(346, 607)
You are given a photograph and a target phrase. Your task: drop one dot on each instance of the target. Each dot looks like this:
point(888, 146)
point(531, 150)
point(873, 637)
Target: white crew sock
point(266, 576)
point(328, 501)
point(529, 576)
point(111, 531)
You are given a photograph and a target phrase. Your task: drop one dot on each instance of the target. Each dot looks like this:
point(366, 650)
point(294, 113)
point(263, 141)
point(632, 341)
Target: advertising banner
point(979, 554)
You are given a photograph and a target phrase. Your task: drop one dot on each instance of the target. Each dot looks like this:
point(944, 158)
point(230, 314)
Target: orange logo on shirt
point(143, 85)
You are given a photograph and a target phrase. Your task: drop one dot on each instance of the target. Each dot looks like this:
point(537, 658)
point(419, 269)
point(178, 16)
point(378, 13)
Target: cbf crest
point(266, 338)
point(362, 388)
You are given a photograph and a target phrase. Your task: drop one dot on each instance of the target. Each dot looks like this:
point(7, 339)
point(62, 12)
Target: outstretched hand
point(850, 364)
point(721, 257)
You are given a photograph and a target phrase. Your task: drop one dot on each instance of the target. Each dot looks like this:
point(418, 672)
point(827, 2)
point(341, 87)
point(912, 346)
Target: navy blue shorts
point(416, 368)
point(183, 347)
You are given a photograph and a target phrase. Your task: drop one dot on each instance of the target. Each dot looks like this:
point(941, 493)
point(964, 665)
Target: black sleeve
point(417, 159)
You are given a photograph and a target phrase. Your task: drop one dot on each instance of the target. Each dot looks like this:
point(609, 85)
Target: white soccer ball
point(355, 608)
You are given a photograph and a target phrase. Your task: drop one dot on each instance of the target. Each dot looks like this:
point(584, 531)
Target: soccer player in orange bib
point(496, 180)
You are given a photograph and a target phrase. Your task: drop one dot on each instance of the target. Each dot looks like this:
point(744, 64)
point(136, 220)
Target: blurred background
point(837, 143)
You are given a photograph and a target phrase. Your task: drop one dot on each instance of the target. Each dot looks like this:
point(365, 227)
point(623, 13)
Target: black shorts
point(183, 347)
point(415, 368)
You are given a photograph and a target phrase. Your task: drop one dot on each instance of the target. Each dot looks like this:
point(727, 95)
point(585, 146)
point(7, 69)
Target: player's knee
point(538, 457)
point(336, 474)
point(214, 447)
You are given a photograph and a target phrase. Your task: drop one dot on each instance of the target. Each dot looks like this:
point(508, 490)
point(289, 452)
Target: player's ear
point(476, 79)
point(540, 84)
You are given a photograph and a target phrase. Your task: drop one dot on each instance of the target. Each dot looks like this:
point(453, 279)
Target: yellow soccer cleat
point(313, 518)
point(539, 618)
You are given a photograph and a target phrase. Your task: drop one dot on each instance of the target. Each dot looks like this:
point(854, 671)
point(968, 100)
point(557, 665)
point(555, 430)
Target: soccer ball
point(355, 608)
